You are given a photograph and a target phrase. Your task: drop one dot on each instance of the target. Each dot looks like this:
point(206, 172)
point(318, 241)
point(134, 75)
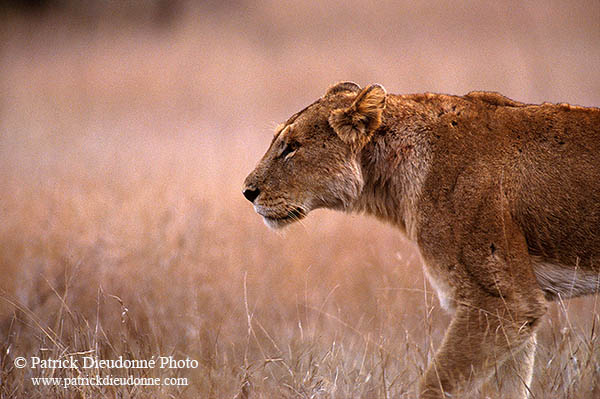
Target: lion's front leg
point(480, 341)
point(512, 379)
point(499, 303)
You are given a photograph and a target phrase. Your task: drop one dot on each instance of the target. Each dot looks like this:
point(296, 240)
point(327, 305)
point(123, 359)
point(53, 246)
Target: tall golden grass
point(124, 233)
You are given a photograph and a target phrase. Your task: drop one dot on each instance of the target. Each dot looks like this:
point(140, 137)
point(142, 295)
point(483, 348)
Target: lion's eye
point(289, 149)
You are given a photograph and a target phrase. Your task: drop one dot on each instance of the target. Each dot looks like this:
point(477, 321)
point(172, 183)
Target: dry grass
point(123, 231)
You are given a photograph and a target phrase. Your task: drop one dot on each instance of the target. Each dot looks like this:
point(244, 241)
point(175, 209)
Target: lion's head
point(312, 161)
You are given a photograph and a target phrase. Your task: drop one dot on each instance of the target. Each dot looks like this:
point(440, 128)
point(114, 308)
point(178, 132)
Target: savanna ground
point(124, 141)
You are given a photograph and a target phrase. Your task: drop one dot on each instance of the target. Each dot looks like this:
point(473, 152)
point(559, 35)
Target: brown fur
point(502, 199)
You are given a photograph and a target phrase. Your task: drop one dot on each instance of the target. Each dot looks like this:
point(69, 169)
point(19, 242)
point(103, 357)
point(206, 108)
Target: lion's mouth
point(277, 221)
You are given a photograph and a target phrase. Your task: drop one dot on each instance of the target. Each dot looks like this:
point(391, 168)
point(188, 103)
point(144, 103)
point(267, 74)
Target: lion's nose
point(251, 194)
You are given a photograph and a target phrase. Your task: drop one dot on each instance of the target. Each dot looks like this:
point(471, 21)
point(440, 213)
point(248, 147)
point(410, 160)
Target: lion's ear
point(343, 86)
point(355, 125)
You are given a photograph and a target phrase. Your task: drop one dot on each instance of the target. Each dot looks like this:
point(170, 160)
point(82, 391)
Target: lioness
point(502, 199)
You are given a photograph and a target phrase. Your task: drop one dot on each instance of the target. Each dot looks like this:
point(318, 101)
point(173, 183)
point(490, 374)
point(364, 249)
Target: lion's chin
point(280, 222)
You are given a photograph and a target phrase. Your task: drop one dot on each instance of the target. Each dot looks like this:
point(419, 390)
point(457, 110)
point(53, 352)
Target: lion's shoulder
point(492, 98)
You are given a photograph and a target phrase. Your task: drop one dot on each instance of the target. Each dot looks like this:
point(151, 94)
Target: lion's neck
point(394, 166)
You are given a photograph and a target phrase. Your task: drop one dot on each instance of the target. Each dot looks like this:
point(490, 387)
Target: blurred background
point(126, 130)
